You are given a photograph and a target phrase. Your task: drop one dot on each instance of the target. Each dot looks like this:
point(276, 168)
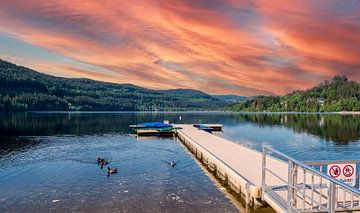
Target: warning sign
point(334, 171)
point(348, 171)
point(343, 172)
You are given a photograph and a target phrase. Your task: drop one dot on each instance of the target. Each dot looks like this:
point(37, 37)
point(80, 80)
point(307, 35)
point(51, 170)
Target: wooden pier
point(236, 164)
point(286, 187)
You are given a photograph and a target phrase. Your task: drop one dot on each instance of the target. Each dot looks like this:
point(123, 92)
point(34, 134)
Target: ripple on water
point(61, 174)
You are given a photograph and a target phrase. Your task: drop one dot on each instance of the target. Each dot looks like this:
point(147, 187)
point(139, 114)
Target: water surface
point(47, 160)
point(48, 164)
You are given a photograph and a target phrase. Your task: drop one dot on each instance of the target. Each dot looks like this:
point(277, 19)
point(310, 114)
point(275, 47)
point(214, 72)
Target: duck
point(172, 163)
point(111, 171)
point(102, 161)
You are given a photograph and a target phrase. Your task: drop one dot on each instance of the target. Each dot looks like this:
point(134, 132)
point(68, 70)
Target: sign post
point(343, 172)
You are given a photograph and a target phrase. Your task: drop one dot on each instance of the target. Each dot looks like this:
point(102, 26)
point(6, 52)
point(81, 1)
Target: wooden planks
point(242, 159)
point(237, 164)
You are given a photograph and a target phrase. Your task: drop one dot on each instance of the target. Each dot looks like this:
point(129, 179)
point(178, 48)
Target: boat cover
point(154, 125)
point(204, 127)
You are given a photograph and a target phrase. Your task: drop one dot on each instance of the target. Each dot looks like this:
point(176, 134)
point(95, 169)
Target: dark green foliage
point(24, 89)
point(232, 98)
point(338, 95)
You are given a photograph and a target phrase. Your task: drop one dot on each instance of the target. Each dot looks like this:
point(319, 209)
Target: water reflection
point(326, 136)
point(340, 129)
point(15, 144)
point(79, 123)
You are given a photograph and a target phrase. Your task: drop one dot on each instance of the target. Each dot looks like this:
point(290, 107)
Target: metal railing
point(304, 188)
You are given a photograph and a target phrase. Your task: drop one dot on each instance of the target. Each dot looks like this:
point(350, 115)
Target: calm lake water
point(47, 160)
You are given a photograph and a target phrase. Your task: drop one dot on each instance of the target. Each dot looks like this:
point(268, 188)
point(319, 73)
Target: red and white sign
point(334, 171)
point(343, 172)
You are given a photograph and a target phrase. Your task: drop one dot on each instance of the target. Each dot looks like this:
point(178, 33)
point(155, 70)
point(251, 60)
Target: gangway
point(306, 188)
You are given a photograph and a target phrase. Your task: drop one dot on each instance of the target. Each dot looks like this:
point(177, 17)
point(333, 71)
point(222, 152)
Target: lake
point(48, 160)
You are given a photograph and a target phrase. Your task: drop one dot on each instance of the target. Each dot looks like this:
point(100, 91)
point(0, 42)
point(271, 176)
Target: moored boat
point(153, 129)
point(205, 128)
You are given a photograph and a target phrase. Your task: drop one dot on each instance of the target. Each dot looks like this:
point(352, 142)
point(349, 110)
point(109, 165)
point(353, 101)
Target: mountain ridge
point(22, 88)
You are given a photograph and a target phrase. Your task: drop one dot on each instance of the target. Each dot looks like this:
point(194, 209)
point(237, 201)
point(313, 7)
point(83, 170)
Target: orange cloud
point(263, 47)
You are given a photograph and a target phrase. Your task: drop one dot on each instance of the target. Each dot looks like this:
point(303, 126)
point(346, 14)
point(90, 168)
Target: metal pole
point(312, 190)
point(290, 177)
point(295, 184)
point(332, 197)
point(304, 189)
point(321, 169)
point(263, 172)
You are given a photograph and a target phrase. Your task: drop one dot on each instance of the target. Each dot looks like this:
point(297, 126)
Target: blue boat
point(153, 128)
point(154, 125)
point(205, 128)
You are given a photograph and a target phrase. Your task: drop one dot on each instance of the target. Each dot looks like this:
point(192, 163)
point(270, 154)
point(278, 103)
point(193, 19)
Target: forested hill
point(339, 94)
point(25, 89)
point(232, 98)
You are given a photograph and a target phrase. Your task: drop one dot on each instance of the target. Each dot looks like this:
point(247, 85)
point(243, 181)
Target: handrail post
point(295, 184)
point(263, 176)
point(290, 189)
point(332, 197)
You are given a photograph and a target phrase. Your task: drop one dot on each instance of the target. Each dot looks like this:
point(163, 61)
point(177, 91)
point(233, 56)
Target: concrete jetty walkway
point(238, 165)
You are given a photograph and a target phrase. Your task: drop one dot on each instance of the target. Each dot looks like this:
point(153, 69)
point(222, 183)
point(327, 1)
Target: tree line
point(339, 94)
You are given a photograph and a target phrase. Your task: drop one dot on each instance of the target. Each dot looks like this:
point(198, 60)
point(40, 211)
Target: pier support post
point(247, 195)
point(226, 180)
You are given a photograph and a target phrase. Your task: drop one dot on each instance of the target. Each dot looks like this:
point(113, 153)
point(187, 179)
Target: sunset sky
point(220, 47)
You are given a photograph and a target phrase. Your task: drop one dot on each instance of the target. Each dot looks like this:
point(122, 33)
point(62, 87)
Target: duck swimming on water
point(98, 160)
point(111, 171)
point(172, 163)
point(102, 162)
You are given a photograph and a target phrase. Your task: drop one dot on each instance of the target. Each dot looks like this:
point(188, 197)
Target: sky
point(258, 47)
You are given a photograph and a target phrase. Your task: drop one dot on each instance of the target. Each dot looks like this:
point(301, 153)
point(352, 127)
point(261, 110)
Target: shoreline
point(349, 113)
point(190, 111)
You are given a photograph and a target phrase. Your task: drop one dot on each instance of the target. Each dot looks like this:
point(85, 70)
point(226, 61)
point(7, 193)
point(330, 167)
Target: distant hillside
point(339, 94)
point(25, 89)
point(232, 98)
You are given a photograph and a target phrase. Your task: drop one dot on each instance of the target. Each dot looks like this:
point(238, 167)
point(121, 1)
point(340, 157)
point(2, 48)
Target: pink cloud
point(215, 46)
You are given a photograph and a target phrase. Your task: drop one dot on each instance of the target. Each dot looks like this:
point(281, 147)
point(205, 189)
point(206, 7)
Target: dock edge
point(235, 181)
